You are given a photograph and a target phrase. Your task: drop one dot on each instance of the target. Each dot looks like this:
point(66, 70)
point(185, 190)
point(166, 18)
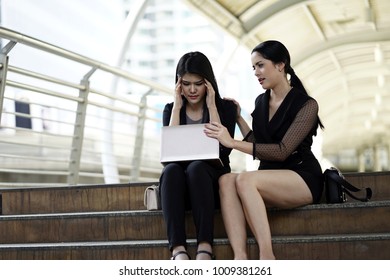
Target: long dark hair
point(278, 53)
point(197, 63)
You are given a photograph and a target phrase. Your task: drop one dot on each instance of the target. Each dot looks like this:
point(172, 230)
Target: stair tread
point(217, 241)
point(324, 206)
point(109, 221)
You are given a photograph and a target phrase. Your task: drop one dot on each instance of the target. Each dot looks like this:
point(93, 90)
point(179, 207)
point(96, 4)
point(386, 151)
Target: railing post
point(139, 138)
point(3, 71)
point(78, 134)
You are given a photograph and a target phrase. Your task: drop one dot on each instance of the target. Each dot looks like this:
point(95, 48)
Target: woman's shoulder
point(304, 96)
point(228, 113)
point(228, 104)
point(170, 104)
point(262, 96)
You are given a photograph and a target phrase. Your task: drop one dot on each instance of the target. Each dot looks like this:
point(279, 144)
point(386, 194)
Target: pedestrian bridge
point(82, 131)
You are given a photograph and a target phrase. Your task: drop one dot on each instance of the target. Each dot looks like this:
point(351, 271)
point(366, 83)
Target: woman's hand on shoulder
point(238, 107)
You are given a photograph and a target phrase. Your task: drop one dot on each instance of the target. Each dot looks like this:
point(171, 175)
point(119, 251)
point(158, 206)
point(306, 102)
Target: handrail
point(46, 47)
point(77, 151)
point(43, 77)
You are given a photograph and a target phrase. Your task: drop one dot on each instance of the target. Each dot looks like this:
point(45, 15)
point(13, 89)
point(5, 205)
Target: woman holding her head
point(194, 185)
point(284, 121)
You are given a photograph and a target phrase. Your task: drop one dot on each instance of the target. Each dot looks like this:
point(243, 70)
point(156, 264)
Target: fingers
point(208, 85)
point(232, 99)
point(178, 84)
point(178, 89)
point(213, 128)
point(213, 125)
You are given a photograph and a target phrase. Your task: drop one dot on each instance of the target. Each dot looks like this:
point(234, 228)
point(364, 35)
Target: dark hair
point(278, 53)
point(197, 63)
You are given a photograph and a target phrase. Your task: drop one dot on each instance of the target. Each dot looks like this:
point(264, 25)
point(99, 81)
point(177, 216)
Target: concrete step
point(110, 222)
point(321, 219)
point(122, 197)
point(320, 247)
point(80, 198)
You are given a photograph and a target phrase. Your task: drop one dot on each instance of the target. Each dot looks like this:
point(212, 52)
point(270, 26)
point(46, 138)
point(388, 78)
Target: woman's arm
point(175, 116)
point(210, 102)
point(242, 124)
point(303, 123)
point(299, 129)
point(177, 104)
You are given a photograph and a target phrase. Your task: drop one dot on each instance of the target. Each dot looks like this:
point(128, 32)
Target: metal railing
point(71, 132)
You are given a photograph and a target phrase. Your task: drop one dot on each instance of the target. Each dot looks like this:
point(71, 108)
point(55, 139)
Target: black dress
point(194, 185)
point(285, 141)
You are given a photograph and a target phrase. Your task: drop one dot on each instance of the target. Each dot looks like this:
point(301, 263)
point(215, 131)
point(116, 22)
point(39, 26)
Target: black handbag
point(336, 188)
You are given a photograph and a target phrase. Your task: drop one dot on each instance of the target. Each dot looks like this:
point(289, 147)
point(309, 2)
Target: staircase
point(110, 222)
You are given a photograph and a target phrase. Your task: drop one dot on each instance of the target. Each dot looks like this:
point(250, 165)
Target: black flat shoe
point(212, 257)
point(180, 253)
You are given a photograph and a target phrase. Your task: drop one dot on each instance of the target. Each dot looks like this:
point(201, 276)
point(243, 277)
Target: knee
point(226, 184)
point(242, 183)
point(196, 169)
point(172, 172)
point(172, 168)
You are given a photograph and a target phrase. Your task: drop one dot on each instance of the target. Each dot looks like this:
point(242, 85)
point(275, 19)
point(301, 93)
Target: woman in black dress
point(285, 119)
point(194, 185)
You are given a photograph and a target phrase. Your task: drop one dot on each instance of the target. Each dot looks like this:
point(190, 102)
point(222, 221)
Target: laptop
point(188, 143)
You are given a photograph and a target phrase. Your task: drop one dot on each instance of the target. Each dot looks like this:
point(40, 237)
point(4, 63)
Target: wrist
point(211, 106)
point(233, 144)
point(176, 108)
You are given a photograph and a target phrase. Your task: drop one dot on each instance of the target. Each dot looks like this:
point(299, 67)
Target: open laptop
point(188, 143)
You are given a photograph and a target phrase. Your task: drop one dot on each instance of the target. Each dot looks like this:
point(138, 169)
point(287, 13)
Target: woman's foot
point(205, 251)
point(180, 255)
point(204, 255)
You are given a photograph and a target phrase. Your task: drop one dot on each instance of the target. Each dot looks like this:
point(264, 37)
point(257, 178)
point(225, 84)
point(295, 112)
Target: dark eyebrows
point(197, 82)
point(258, 62)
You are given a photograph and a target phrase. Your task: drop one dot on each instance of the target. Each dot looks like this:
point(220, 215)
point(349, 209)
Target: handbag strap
point(348, 187)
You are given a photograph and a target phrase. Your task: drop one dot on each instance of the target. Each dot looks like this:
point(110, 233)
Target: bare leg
point(256, 214)
point(279, 188)
point(233, 215)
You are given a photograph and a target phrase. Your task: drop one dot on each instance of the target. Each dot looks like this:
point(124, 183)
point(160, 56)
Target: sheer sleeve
point(303, 123)
point(249, 137)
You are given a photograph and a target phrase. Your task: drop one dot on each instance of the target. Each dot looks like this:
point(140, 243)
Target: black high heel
point(212, 256)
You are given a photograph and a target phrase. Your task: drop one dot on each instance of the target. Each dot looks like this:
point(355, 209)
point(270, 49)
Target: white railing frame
point(82, 100)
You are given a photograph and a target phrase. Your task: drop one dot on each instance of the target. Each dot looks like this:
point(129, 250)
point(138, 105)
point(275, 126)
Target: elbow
point(283, 154)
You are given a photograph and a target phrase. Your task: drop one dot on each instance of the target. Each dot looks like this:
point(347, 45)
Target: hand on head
point(178, 100)
point(210, 94)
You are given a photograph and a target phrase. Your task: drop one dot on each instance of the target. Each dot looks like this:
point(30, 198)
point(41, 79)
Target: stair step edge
point(192, 242)
point(371, 204)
